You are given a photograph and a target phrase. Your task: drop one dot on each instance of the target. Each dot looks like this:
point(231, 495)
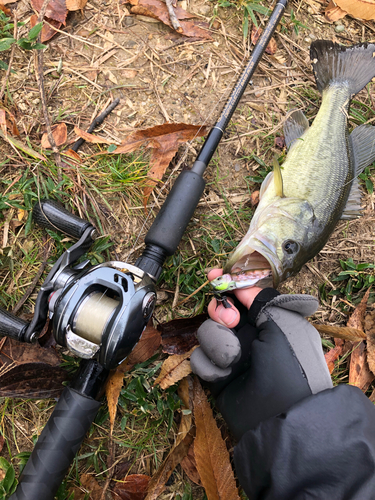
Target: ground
point(104, 53)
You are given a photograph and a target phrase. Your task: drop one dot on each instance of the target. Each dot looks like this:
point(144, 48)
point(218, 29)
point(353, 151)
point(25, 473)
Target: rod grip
point(56, 447)
point(11, 326)
point(52, 215)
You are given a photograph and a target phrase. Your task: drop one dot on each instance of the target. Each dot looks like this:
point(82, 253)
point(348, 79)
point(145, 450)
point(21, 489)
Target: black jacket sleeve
point(321, 448)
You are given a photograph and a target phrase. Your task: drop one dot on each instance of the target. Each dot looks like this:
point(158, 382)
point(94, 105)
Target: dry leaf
point(189, 465)
point(341, 332)
point(3, 122)
point(333, 355)
point(164, 141)
point(370, 332)
point(47, 31)
point(72, 5)
point(333, 12)
point(6, 11)
point(94, 139)
point(359, 372)
point(361, 9)
point(255, 34)
point(174, 369)
point(91, 485)
point(132, 487)
point(129, 73)
point(56, 9)
point(254, 198)
point(158, 10)
point(146, 347)
point(211, 454)
point(180, 335)
point(60, 134)
point(73, 155)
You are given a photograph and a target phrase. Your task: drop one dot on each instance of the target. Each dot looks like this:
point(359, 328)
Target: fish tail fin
point(334, 63)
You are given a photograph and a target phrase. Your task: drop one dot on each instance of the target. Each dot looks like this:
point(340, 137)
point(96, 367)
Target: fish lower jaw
point(253, 269)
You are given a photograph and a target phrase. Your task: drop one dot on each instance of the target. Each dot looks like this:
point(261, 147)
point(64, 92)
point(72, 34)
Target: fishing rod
point(99, 312)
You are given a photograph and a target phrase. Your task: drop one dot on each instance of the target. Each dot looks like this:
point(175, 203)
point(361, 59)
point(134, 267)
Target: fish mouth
point(260, 255)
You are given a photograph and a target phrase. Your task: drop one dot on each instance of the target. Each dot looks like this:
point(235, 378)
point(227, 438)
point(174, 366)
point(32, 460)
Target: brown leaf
point(146, 347)
point(1, 443)
point(333, 355)
point(3, 123)
point(211, 454)
point(189, 465)
point(56, 9)
point(174, 369)
point(30, 371)
point(254, 198)
point(91, 485)
point(132, 487)
point(333, 12)
point(255, 34)
point(341, 332)
point(158, 10)
point(164, 141)
point(112, 391)
point(129, 73)
point(47, 31)
point(72, 5)
point(370, 332)
point(180, 335)
point(73, 155)
point(359, 372)
point(6, 11)
point(59, 132)
point(94, 139)
point(8, 122)
point(158, 480)
point(361, 9)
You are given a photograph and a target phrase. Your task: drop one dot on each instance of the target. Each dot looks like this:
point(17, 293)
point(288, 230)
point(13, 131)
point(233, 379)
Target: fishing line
point(189, 143)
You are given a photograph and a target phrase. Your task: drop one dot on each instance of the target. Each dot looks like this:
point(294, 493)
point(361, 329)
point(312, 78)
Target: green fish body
point(317, 184)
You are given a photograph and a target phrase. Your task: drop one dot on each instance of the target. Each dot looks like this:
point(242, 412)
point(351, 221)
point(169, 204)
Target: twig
point(98, 121)
point(172, 16)
point(40, 81)
point(192, 294)
point(30, 289)
point(2, 91)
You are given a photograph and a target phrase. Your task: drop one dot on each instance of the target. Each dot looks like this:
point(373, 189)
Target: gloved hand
point(270, 359)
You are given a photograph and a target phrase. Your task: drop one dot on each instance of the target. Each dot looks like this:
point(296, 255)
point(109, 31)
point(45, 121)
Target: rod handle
point(11, 326)
point(56, 447)
point(52, 215)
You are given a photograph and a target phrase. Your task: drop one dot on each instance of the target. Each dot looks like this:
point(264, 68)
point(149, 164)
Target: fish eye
point(290, 247)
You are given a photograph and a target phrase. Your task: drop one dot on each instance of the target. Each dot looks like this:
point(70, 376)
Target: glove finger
point(202, 366)
point(219, 343)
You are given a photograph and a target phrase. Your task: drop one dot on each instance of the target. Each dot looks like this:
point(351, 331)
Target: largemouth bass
point(317, 184)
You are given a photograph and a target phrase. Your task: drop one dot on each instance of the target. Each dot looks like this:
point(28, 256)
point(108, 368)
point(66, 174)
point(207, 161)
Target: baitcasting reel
point(96, 311)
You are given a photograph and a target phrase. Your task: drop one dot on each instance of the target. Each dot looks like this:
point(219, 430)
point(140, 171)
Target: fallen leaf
point(91, 486)
point(1, 443)
point(73, 155)
point(129, 73)
point(341, 332)
point(60, 134)
point(3, 123)
point(254, 198)
point(6, 11)
point(56, 9)
point(255, 34)
point(189, 465)
point(94, 139)
point(164, 141)
point(370, 332)
point(180, 335)
point(158, 10)
point(47, 31)
point(174, 369)
point(132, 487)
point(333, 12)
point(361, 9)
point(144, 349)
point(72, 5)
point(359, 372)
point(333, 355)
point(211, 454)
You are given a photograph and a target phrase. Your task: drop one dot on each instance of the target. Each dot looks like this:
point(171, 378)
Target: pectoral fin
point(277, 178)
point(295, 126)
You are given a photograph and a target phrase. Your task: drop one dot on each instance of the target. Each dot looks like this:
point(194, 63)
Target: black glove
point(267, 364)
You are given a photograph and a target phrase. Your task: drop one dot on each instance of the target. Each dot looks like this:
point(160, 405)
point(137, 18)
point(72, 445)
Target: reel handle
point(52, 215)
point(11, 326)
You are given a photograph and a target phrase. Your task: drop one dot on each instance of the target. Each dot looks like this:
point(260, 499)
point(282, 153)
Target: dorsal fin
point(295, 126)
point(277, 178)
